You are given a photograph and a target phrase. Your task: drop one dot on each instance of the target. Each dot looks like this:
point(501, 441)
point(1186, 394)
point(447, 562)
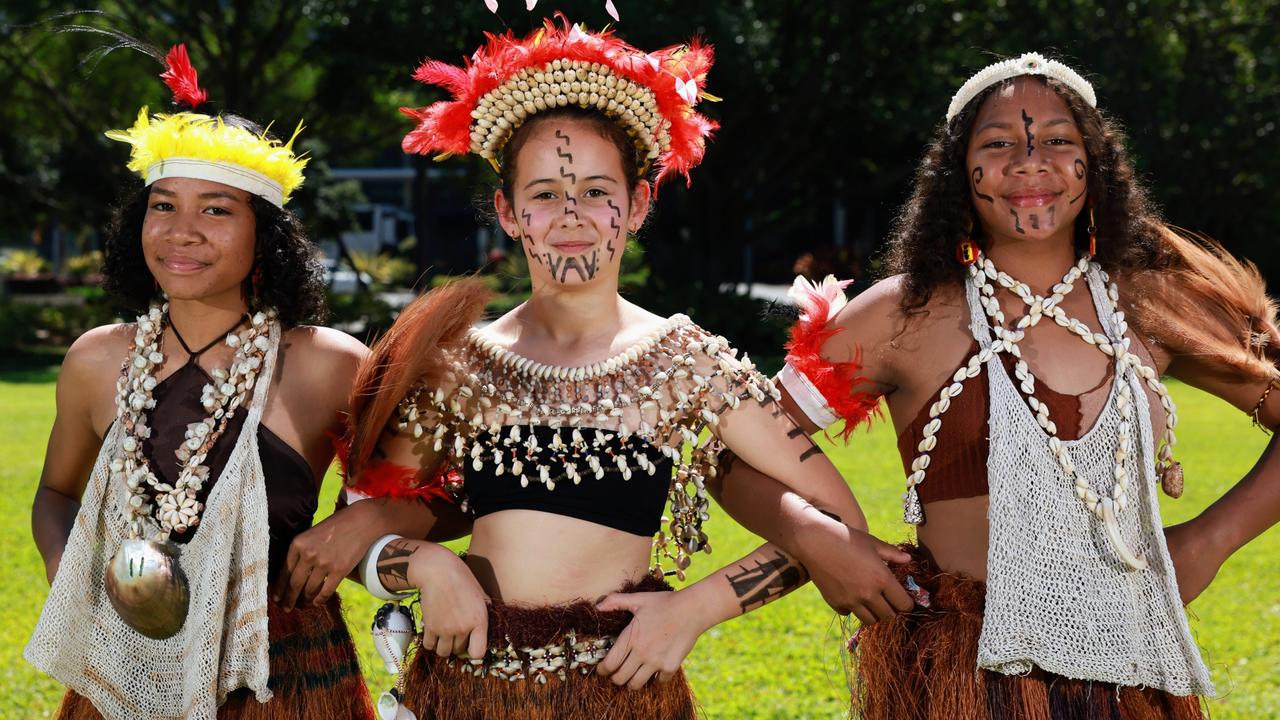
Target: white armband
point(369, 571)
point(807, 397)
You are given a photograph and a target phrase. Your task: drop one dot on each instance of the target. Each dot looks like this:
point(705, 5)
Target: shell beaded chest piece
point(144, 579)
point(1106, 505)
point(648, 402)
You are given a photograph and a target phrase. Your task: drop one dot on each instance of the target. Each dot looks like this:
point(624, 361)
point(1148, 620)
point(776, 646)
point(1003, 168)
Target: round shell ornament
point(147, 587)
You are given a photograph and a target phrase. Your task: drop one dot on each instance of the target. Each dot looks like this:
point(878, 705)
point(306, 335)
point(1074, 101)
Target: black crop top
point(631, 505)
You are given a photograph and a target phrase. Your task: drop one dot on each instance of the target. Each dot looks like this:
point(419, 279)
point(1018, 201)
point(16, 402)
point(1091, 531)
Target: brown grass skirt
point(314, 673)
point(923, 665)
point(436, 689)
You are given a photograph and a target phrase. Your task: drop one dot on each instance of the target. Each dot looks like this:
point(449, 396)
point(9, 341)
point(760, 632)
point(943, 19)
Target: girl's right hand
point(455, 613)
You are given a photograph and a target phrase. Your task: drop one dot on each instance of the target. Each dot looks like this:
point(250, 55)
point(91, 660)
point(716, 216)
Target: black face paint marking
point(554, 263)
point(1026, 122)
point(1080, 169)
point(1035, 221)
point(1017, 222)
point(571, 177)
point(617, 227)
point(585, 268)
point(1053, 221)
point(977, 178)
point(525, 237)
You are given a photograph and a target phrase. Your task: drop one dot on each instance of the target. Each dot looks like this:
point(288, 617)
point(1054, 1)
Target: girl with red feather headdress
point(186, 453)
point(562, 429)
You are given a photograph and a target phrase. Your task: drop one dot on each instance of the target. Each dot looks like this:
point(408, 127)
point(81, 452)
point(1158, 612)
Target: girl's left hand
point(662, 631)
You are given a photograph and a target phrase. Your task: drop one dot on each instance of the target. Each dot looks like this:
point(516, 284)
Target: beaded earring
point(967, 252)
point(1093, 234)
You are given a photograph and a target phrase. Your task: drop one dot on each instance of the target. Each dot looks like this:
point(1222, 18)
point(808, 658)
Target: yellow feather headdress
point(194, 145)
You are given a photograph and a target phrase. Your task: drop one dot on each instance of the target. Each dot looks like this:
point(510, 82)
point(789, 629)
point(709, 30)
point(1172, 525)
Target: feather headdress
point(195, 145)
point(508, 80)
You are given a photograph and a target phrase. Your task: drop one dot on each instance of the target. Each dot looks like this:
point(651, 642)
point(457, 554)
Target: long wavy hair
point(292, 278)
point(1187, 291)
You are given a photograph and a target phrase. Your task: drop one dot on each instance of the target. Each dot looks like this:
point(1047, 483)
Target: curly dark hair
point(292, 276)
point(940, 212)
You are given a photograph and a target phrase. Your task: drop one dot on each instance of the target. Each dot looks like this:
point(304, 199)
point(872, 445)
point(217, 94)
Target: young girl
point(562, 427)
point(1036, 300)
point(208, 419)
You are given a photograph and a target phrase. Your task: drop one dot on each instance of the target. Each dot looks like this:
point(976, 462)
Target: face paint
point(1026, 123)
point(1026, 163)
point(568, 208)
point(977, 178)
point(1080, 169)
point(615, 223)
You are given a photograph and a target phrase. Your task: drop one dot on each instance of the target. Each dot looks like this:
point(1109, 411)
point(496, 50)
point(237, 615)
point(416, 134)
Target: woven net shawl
point(1058, 596)
point(223, 645)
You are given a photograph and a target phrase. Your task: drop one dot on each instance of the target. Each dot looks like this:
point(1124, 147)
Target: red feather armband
point(833, 381)
point(388, 479)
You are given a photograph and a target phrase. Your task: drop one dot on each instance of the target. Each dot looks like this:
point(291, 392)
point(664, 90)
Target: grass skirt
point(314, 673)
point(923, 665)
point(440, 689)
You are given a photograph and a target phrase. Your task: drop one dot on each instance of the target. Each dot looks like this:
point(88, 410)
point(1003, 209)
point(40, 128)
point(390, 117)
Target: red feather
point(181, 78)
point(835, 380)
point(445, 126)
point(385, 479)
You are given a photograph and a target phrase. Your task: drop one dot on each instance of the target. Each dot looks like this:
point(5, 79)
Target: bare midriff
point(538, 558)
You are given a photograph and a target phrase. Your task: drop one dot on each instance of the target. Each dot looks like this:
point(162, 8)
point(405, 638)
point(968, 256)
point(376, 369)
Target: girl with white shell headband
point(1035, 301)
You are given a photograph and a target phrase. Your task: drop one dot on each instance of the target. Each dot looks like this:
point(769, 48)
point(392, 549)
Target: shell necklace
point(144, 582)
point(1109, 504)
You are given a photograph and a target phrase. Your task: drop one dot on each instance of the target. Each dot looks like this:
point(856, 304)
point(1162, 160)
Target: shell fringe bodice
point(661, 393)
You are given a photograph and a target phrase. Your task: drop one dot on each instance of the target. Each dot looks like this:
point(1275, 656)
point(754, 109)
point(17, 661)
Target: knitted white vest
point(223, 645)
point(1058, 597)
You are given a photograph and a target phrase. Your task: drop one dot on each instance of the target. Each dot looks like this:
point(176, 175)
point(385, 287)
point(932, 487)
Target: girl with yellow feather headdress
point(187, 453)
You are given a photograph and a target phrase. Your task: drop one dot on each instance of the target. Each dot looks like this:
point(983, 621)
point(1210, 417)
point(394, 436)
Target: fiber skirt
point(314, 673)
point(541, 665)
point(923, 665)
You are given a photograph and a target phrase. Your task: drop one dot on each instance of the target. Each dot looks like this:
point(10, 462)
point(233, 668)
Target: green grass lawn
point(779, 662)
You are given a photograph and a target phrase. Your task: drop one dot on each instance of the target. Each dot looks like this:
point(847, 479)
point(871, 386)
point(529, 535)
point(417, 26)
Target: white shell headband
point(1027, 64)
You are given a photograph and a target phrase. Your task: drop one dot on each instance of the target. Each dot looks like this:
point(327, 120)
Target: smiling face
point(569, 205)
point(1027, 164)
point(199, 238)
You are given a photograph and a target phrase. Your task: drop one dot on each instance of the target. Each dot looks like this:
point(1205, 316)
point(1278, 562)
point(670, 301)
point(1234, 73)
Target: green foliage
point(57, 323)
point(20, 261)
point(78, 266)
point(384, 270)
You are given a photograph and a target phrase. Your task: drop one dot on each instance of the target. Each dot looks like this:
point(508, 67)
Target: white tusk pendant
point(1113, 532)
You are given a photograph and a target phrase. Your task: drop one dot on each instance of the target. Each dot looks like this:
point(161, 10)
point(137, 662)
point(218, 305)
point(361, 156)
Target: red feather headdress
point(507, 80)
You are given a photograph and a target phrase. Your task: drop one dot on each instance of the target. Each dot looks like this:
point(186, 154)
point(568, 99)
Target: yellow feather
point(208, 138)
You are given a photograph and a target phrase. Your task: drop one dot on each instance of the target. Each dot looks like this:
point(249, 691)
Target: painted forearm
point(753, 582)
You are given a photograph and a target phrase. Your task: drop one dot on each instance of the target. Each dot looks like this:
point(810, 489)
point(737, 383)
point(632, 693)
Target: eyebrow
point(1007, 126)
point(211, 194)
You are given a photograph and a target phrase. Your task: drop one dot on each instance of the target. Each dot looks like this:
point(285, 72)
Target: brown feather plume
point(415, 348)
point(1205, 305)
